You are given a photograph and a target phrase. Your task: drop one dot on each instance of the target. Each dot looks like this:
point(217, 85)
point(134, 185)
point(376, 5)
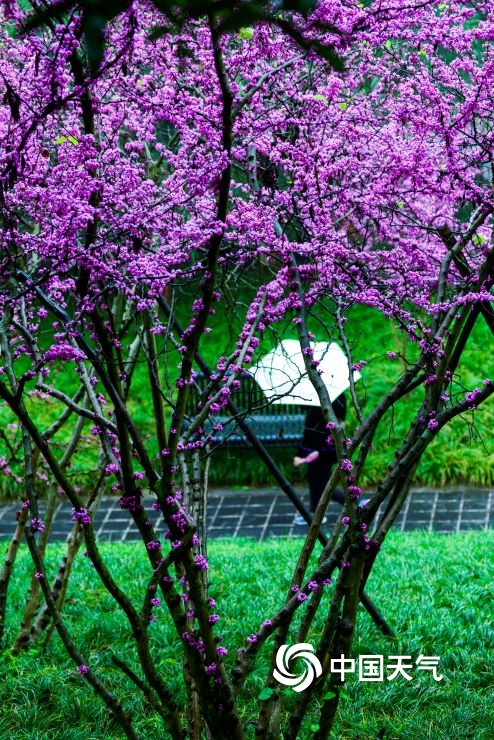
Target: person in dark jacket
point(319, 453)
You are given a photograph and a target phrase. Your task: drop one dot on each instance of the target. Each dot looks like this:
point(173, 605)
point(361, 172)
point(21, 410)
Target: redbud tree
point(200, 169)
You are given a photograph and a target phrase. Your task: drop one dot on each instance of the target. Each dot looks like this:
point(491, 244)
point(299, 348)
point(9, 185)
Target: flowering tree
point(135, 199)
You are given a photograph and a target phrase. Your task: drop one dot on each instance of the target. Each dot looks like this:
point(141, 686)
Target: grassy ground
point(435, 590)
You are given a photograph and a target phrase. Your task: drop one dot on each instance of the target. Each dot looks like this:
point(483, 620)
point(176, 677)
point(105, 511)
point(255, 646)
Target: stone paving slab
point(264, 513)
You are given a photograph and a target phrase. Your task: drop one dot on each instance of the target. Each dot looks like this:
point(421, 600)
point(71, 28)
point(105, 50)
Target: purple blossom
point(82, 669)
point(201, 562)
point(354, 492)
point(179, 521)
point(64, 351)
point(471, 398)
point(82, 516)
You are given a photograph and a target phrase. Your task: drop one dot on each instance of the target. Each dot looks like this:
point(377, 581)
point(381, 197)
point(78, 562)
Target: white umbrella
point(282, 375)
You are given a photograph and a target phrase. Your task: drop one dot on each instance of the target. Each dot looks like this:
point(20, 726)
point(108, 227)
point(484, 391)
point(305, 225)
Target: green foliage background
point(463, 452)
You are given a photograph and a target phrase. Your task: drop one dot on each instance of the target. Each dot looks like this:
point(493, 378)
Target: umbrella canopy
point(282, 375)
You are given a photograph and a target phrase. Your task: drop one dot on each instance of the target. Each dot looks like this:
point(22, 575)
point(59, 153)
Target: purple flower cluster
point(131, 503)
point(201, 562)
point(81, 515)
point(346, 465)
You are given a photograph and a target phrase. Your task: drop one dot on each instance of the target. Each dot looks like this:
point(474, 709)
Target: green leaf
point(344, 695)
point(388, 44)
point(62, 139)
point(323, 98)
point(314, 728)
point(479, 239)
point(246, 33)
point(400, 204)
point(329, 695)
point(343, 106)
point(266, 694)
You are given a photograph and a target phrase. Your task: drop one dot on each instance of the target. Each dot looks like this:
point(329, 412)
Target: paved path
point(263, 513)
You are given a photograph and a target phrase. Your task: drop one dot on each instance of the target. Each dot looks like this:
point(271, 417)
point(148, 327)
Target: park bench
point(280, 425)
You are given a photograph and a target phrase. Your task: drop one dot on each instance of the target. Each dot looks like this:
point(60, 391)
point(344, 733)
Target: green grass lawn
point(435, 590)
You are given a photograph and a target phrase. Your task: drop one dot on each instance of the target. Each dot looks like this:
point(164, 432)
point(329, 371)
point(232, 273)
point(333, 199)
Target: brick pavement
point(264, 513)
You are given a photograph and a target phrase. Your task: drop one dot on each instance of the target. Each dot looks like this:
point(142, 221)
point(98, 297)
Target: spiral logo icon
point(312, 670)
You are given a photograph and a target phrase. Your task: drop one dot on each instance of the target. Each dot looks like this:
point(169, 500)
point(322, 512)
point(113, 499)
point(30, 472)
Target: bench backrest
point(274, 424)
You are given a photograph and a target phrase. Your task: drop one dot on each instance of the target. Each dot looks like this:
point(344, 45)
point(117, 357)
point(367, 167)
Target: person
point(318, 452)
